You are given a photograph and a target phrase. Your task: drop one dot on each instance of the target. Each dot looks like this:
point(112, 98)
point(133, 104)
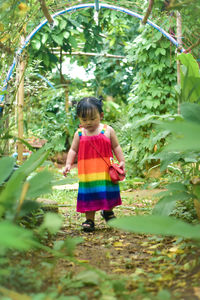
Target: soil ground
point(116, 264)
point(150, 263)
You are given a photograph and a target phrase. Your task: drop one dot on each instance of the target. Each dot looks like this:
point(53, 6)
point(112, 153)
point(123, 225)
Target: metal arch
point(71, 9)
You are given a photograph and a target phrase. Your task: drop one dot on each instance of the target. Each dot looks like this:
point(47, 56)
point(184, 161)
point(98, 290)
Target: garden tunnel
point(71, 9)
point(44, 22)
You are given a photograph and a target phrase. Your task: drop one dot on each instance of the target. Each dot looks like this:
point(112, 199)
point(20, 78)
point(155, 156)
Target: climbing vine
point(152, 96)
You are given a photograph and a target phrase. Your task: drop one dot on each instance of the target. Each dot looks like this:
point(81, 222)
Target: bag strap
point(98, 152)
point(103, 130)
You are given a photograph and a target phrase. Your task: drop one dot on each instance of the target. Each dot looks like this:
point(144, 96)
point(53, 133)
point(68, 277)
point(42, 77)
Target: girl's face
point(91, 121)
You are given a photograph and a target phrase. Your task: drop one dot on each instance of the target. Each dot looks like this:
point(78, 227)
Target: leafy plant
point(160, 225)
point(152, 97)
point(16, 199)
point(184, 133)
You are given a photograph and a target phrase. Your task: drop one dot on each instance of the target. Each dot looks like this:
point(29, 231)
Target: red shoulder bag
point(115, 172)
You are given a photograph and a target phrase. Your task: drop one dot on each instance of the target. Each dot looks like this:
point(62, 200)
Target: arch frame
point(73, 9)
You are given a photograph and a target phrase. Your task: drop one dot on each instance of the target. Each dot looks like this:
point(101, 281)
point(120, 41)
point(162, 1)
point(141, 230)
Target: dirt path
point(149, 263)
point(109, 264)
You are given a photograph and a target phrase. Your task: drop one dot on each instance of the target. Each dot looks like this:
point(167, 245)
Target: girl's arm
point(117, 149)
point(72, 154)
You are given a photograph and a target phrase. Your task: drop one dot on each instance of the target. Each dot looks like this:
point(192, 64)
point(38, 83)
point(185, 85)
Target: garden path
point(143, 263)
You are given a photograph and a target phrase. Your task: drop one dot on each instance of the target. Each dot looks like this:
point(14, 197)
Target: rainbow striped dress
point(96, 190)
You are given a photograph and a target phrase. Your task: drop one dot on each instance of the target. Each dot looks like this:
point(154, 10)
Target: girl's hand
point(67, 169)
point(122, 165)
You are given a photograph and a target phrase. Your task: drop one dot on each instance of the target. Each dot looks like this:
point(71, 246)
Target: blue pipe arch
point(72, 9)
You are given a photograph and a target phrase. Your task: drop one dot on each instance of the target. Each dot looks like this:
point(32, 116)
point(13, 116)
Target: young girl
point(96, 190)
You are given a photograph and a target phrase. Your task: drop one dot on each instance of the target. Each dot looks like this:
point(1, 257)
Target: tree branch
point(149, 9)
point(193, 46)
point(45, 11)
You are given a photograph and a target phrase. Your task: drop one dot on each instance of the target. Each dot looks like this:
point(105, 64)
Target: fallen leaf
point(119, 270)
point(176, 250)
point(83, 260)
point(155, 246)
point(118, 244)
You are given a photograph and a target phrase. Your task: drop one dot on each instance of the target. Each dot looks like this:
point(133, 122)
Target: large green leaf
point(15, 237)
point(191, 112)
point(165, 206)
point(186, 136)
point(52, 222)
point(161, 225)
point(190, 89)
point(176, 186)
point(6, 168)
point(13, 188)
point(190, 78)
point(191, 64)
point(40, 184)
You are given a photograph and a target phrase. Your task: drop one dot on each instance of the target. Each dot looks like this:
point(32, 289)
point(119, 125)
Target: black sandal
point(107, 215)
point(88, 225)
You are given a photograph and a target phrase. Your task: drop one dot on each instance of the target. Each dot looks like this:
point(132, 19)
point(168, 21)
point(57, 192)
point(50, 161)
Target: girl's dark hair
point(87, 106)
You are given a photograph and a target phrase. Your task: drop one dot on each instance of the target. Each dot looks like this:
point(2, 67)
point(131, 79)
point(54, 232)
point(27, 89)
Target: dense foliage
point(139, 77)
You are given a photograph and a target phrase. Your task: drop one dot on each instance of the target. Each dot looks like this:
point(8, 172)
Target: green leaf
point(36, 44)
point(191, 112)
point(63, 24)
point(44, 38)
point(40, 184)
point(71, 244)
point(165, 206)
point(168, 158)
point(191, 89)
point(186, 136)
point(176, 186)
point(13, 188)
point(15, 237)
point(52, 222)
point(161, 225)
point(88, 277)
point(66, 34)
point(112, 42)
point(72, 41)
point(191, 64)
point(190, 78)
point(163, 51)
point(6, 168)
point(58, 39)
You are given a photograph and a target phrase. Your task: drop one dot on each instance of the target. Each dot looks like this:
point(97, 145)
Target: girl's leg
point(90, 215)
point(108, 214)
point(89, 225)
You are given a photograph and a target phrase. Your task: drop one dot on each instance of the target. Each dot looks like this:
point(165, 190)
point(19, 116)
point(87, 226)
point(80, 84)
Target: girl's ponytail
point(101, 100)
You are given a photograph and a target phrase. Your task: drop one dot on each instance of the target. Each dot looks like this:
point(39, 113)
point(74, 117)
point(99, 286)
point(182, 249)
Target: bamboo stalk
point(45, 11)
point(179, 40)
point(148, 12)
point(23, 195)
point(90, 54)
point(20, 104)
